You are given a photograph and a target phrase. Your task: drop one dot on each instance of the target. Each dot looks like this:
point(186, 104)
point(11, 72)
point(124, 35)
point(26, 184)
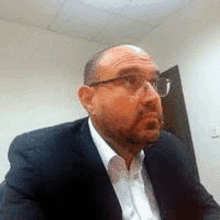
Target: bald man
point(117, 163)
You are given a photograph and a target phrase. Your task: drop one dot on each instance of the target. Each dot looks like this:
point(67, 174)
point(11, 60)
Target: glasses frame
point(107, 81)
point(121, 77)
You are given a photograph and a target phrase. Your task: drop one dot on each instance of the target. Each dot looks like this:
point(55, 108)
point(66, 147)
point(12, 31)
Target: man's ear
point(85, 95)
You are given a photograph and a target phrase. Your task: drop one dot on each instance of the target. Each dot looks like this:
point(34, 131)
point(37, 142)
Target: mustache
point(148, 112)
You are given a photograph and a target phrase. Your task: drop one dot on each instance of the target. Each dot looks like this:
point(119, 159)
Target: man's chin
point(151, 136)
point(145, 137)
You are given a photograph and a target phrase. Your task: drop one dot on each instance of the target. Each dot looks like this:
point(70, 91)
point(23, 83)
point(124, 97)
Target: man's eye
point(131, 80)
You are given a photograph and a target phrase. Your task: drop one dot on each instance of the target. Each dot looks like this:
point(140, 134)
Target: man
point(116, 164)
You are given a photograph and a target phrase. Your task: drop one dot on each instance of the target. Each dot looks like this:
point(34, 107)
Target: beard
point(145, 131)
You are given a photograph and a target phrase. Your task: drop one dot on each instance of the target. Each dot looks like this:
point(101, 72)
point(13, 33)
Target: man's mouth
point(151, 121)
point(151, 125)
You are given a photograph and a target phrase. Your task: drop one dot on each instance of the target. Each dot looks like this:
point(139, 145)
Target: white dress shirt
point(133, 188)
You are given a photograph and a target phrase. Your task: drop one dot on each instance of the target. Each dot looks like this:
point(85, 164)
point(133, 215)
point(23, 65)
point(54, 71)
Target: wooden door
point(175, 114)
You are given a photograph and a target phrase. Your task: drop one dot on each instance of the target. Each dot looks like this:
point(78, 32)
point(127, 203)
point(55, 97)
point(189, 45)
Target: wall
point(40, 72)
point(190, 38)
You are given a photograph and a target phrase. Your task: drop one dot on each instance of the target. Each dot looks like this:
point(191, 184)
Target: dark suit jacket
point(57, 173)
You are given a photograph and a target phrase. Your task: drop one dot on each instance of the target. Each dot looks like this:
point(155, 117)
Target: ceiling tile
point(81, 20)
point(125, 26)
point(123, 29)
point(114, 40)
point(182, 27)
point(211, 12)
point(2, 22)
point(113, 6)
point(152, 12)
point(161, 47)
point(38, 13)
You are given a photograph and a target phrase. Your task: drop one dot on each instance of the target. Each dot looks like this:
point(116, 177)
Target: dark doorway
point(175, 114)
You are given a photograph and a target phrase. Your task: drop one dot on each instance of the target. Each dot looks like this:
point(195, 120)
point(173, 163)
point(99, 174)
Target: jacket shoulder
point(47, 145)
point(50, 134)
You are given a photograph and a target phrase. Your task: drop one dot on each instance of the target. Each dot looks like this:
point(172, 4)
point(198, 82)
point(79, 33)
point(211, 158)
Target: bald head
point(91, 65)
point(107, 57)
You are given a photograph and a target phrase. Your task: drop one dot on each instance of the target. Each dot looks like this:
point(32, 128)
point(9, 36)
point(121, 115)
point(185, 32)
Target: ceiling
point(97, 21)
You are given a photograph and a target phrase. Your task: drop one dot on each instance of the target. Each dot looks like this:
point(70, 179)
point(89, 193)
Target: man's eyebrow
point(124, 71)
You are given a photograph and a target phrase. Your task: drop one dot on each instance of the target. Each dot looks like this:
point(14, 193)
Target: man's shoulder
point(47, 152)
point(166, 135)
point(169, 138)
point(168, 145)
point(58, 129)
point(164, 139)
point(171, 148)
point(53, 137)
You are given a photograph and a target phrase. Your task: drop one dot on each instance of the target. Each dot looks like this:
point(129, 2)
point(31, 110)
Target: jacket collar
point(101, 190)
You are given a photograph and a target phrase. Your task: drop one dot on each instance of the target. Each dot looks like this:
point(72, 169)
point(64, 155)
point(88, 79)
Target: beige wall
point(191, 39)
point(40, 72)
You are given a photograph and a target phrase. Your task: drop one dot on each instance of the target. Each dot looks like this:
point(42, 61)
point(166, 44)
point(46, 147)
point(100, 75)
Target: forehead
point(118, 61)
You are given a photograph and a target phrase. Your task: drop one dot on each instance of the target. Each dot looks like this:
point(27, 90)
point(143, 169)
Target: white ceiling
point(98, 21)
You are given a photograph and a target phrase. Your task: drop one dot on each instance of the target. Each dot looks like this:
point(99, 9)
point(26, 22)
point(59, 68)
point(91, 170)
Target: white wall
point(191, 39)
point(39, 74)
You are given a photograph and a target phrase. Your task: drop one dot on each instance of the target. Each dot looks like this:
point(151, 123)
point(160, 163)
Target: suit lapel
point(163, 175)
point(102, 196)
point(152, 166)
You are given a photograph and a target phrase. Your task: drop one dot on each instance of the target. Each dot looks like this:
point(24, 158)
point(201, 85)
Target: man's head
point(119, 96)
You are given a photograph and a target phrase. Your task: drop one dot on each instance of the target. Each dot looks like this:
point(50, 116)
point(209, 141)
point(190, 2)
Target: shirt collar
point(104, 149)
point(106, 152)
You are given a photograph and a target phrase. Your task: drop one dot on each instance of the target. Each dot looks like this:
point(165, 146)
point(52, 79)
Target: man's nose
point(149, 89)
point(149, 94)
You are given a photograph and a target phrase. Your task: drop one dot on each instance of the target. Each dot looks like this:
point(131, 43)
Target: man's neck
point(122, 147)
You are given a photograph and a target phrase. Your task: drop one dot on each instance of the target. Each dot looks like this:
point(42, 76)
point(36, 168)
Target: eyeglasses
point(133, 83)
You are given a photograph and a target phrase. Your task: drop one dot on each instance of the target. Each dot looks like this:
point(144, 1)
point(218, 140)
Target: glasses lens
point(162, 86)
